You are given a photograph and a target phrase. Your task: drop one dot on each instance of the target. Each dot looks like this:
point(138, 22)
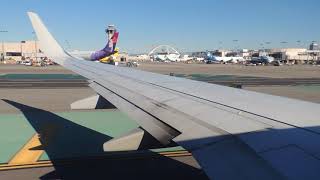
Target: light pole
point(236, 45)
point(299, 43)
point(2, 55)
point(268, 43)
point(313, 54)
point(284, 42)
point(220, 45)
point(35, 45)
point(284, 58)
point(21, 49)
point(262, 50)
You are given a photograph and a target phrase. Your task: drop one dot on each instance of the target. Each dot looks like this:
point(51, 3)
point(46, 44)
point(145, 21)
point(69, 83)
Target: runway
point(80, 83)
point(42, 83)
point(249, 81)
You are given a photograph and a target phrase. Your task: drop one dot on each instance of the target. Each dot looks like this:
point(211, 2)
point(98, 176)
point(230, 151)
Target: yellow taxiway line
point(175, 153)
point(6, 167)
point(28, 155)
point(38, 164)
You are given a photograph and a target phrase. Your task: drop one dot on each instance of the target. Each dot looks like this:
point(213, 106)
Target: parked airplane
point(185, 58)
point(210, 58)
point(233, 133)
point(108, 54)
point(167, 57)
point(262, 60)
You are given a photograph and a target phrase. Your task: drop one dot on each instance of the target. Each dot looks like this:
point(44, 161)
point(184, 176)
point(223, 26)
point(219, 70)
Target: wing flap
point(158, 129)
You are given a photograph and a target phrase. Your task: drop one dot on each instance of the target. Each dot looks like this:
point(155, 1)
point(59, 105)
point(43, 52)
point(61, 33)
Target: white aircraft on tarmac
point(233, 133)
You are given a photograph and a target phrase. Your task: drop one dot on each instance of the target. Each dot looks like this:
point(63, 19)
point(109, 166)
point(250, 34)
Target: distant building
point(221, 52)
point(18, 50)
point(200, 54)
point(294, 54)
point(314, 46)
point(245, 53)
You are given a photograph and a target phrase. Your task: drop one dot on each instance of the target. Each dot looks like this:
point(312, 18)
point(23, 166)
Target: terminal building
point(298, 55)
point(245, 53)
point(20, 50)
point(285, 55)
point(314, 47)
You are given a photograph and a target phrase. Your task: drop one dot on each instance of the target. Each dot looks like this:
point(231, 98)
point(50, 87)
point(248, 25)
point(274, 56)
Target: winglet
point(48, 44)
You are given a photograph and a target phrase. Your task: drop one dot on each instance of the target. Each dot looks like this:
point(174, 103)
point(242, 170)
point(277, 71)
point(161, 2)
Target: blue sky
point(185, 24)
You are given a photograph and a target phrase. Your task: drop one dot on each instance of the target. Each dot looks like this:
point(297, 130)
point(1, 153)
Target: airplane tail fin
point(112, 43)
point(108, 50)
point(115, 40)
point(48, 44)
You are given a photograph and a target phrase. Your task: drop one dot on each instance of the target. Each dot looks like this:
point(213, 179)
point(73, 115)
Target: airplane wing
point(233, 133)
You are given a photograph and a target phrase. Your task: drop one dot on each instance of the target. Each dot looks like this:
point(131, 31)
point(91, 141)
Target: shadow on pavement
point(64, 139)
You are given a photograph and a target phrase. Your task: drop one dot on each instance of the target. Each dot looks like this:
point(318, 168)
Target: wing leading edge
point(232, 133)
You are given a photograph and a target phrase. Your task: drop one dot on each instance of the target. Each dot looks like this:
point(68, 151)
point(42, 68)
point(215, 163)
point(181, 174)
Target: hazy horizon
point(187, 26)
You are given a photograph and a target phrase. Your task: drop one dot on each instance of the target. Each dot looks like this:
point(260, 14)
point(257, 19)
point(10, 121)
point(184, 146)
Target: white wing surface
point(233, 133)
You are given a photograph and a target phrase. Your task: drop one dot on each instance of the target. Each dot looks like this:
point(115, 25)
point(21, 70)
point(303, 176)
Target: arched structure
point(168, 49)
point(164, 53)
